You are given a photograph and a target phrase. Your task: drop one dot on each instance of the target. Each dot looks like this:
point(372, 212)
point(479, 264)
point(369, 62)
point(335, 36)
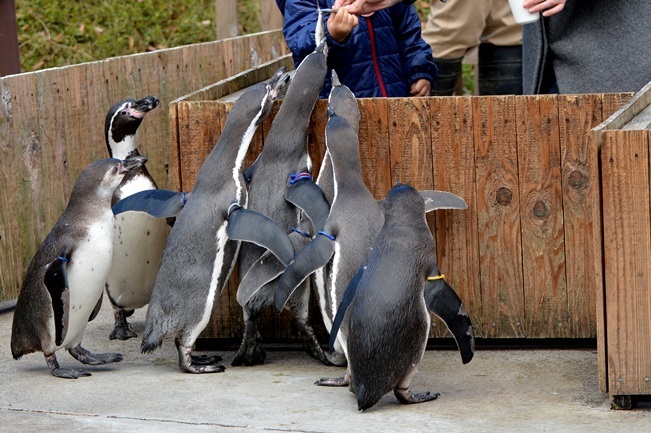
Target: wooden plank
point(627, 112)
point(271, 16)
point(610, 103)
point(453, 168)
point(316, 135)
point(226, 22)
point(374, 145)
point(498, 217)
point(581, 212)
point(541, 215)
point(627, 260)
point(199, 129)
point(641, 121)
point(19, 138)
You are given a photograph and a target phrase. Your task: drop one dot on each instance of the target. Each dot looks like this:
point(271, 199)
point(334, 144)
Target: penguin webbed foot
point(335, 381)
point(251, 351)
point(85, 357)
point(197, 364)
point(64, 373)
point(405, 396)
point(122, 329)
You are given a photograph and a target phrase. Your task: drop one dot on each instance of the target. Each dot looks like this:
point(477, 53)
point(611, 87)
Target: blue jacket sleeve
point(416, 53)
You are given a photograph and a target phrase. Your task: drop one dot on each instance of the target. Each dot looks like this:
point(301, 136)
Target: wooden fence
point(52, 121)
point(526, 256)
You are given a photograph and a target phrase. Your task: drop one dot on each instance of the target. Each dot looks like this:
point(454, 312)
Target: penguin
point(284, 156)
point(62, 289)
point(200, 255)
point(337, 251)
point(385, 308)
point(139, 239)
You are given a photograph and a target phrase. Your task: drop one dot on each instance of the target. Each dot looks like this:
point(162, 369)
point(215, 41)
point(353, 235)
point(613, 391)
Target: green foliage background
point(58, 33)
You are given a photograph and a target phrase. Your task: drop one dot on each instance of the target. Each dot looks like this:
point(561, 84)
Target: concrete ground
point(499, 391)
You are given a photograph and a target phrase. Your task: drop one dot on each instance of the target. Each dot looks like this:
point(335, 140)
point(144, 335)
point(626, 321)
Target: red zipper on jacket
point(376, 65)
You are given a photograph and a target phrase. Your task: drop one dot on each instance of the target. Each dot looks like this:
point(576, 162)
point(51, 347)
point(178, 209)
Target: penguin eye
point(124, 113)
point(115, 169)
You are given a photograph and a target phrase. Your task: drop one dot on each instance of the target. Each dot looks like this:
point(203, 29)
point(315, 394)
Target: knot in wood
point(504, 196)
point(541, 209)
point(577, 179)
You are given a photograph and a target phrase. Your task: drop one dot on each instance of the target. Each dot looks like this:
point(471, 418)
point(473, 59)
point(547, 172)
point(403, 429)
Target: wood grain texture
point(541, 213)
point(627, 260)
point(453, 165)
point(610, 103)
point(498, 217)
point(581, 211)
point(374, 145)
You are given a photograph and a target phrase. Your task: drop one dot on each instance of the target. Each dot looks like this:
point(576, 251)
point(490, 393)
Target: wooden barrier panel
point(526, 255)
point(52, 126)
point(627, 259)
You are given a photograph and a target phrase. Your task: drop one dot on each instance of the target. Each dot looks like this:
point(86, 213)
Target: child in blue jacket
point(378, 55)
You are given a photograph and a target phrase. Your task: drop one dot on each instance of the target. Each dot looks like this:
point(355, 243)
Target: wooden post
point(272, 19)
point(9, 53)
point(226, 21)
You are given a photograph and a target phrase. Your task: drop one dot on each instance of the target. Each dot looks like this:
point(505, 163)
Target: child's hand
point(340, 24)
point(420, 88)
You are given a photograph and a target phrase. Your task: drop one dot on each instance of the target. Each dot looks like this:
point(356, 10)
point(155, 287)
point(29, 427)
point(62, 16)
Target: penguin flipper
point(267, 268)
point(346, 300)
point(98, 306)
point(443, 301)
point(313, 256)
point(250, 226)
point(441, 200)
point(159, 203)
point(56, 282)
point(306, 195)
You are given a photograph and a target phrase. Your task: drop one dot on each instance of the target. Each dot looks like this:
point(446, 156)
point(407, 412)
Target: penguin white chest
point(87, 271)
point(135, 184)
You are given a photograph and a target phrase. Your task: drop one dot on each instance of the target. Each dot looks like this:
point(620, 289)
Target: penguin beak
point(142, 107)
point(278, 83)
point(132, 162)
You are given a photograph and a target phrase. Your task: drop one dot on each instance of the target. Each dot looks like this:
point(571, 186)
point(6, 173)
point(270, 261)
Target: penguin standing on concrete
point(352, 225)
point(139, 238)
point(200, 255)
point(62, 290)
point(385, 308)
point(284, 157)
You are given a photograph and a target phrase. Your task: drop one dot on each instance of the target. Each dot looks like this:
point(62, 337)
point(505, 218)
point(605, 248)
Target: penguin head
point(101, 178)
point(122, 122)
point(257, 101)
point(343, 102)
point(403, 203)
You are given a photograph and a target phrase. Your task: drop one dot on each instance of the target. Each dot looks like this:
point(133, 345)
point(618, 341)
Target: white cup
point(521, 15)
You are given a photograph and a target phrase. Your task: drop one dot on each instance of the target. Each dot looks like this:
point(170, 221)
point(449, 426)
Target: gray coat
point(596, 46)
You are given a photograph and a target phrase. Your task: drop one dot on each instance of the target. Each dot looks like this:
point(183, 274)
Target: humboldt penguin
point(139, 238)
point(62, 290)
point(337, 251)
point(283, 158)
point(385, 308)
point(199, 255)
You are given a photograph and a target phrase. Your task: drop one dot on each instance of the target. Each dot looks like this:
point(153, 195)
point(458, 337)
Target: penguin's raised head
point(122, 122)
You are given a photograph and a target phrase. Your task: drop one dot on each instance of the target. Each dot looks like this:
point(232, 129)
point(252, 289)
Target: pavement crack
point(169, 421)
